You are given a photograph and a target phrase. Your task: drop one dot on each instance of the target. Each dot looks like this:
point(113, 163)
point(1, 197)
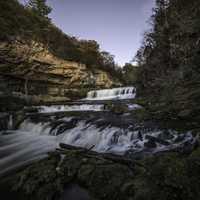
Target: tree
point(40, 7)
point(107, 59)
point(89, 50)
point(130, 73)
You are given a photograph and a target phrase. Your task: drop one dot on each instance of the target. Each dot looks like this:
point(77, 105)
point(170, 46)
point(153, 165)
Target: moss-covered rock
point(170, 176)
point(116, 108)
point(41, 180)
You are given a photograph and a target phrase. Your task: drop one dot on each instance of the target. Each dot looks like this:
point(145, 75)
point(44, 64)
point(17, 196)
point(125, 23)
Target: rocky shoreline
point(75, 173)
point(167, 176)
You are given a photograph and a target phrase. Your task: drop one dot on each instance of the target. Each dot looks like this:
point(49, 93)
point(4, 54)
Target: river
point(86, 123)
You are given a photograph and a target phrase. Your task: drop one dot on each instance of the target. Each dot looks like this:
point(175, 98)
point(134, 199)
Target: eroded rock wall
point(29, 68)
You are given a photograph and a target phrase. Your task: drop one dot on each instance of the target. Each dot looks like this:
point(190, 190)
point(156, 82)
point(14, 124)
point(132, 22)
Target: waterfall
point(104, 136)
point(10, 122)
point(115, 93)
point(19, 148)
point(69, 108)
point(34, 139)
point(80, 108)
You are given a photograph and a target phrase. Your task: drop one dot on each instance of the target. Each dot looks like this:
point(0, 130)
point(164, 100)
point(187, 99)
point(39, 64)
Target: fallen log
point(106, 156)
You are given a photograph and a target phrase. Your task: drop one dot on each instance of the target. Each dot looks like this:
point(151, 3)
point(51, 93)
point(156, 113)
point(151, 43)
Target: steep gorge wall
point(29, 68)
point(39, 63)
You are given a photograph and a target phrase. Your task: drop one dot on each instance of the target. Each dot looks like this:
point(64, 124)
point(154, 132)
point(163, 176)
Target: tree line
point(169, 57)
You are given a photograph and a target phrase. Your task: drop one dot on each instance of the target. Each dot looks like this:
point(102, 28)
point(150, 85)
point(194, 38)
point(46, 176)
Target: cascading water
point(10, 122)
point(79, 108)
point(34, 139)
point(69, 108)
point(42, 132)
point(104, 136)
point(19, 148)
point(115, 93)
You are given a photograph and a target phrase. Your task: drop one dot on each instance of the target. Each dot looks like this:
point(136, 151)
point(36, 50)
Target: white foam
point(68, 108)
point(41, 128)
point(115, 93)
point(33, 140)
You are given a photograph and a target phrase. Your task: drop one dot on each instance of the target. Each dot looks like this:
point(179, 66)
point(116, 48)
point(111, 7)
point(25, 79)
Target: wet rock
point(180, 138)
point(150, 144)
point(140, 136)
point(165, 135)
point(117, 108)
point(59, 127)
point(31, 109)
point(75, 192)
point(185, 113)
point(4, 119)
point(157, 140)
point(188, 146)
point(115, 138)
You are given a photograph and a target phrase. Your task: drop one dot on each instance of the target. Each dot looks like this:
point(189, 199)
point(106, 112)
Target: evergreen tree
point(40, 7)
point(169, 58)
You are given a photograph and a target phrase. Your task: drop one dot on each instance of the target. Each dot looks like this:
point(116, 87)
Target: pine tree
point(40, 7)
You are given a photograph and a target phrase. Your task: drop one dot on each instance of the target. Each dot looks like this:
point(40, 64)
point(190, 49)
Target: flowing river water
point(85, 124)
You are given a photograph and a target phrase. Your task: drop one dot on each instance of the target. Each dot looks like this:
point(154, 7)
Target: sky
point(117, 25)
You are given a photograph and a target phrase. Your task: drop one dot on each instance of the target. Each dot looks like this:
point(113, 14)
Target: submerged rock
point(150, 144)
point(157, 140)
point(166, 135)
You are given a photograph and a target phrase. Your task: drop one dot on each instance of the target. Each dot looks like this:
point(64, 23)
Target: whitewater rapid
point(70, 108)
point(42, 132)
point(79, 108)
point(104, 137)
point(33, 139)
point(111, 94)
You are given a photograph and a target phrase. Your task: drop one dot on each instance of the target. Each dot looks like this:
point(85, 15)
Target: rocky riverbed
point(79, 174)
point(114, 155)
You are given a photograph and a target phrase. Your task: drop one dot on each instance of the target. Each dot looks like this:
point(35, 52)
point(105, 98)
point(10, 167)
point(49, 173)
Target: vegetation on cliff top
point(19, 22)
point(39, 7)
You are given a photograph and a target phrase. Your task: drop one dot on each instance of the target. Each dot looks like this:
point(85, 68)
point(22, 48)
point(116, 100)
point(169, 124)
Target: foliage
point(130, 74)
point(170, 177)
point(169, 58)
point(39, 7)
point(22, 22)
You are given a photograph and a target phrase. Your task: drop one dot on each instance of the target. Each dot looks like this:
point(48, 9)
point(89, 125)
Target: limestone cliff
point(28, 68)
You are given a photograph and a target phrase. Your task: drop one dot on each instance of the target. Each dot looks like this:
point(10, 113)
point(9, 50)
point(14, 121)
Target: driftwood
point(105, 156)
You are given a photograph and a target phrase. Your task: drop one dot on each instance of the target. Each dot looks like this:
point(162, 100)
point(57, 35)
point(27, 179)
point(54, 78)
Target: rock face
point(29, 68)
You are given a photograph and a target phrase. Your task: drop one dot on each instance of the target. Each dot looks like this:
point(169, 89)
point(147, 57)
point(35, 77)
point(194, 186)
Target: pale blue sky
point(117, 25)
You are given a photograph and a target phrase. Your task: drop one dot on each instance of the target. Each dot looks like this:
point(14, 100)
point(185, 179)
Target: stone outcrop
point(165, 177)
point(29, 68)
